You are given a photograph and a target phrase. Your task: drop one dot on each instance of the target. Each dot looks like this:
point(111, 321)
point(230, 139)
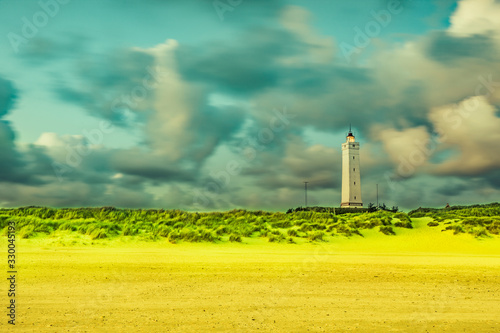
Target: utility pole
point(305, 188)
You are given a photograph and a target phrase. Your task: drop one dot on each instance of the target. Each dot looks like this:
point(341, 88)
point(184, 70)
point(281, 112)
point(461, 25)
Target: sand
point(421, 280)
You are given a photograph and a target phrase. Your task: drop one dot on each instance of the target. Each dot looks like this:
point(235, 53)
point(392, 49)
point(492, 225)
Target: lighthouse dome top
point(350, 137)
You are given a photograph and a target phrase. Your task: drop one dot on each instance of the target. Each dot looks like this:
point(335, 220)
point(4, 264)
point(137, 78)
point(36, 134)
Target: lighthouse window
point(354, 197)
point(354, 169)
point(353, 157)
point(354, 183)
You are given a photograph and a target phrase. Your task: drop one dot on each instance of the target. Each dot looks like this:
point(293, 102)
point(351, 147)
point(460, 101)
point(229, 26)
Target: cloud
point(405, 146)
point(473, 127)
point(148, 166)
point(316, 164)
point(8, 96)
point(319, 49)
point(43, 50)
point(453, 189)
point(473, 17)
point(195, 105)
point(449, 49)
point(113, 87)
point(11, 163)
point(264, 56)
point(180, 129)
point(183, 126)
point(244, 67)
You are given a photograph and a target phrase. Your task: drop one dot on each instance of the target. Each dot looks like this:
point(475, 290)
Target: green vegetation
point(477, 220)
point(314, 224)
point(176, 226)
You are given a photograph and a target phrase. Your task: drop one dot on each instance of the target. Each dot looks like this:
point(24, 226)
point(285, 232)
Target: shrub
point(433, 224)
point(357, 232)
point(67, 226)
point(480, 232)
point(244, 231)
point(282, 224)
point(404, 221)
point(27, 232)
point(130, 230)
point(163, 230)
point(386, 221)
point(179, 225)
point(189, 235)
point(494, 227)
point(221, 230)
point(276, 238)
point(402, 217)
point(292, 232)
point(275, 232)
point(316, 236)
point(208, 236)
point(46, 226)
point(174, 236)
point(300, 222)
point(342, 229)
point(400, 224)
point(306, 227)
point(387, 230)
point(4, 220)
point(373, 223)
point(264, 232)
point(473, 222)
point(318, 226)
point(98, 233)
point(457, 229)
point(235, 238)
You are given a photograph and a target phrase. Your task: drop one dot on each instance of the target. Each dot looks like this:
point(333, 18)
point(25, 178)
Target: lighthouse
point(351, 177)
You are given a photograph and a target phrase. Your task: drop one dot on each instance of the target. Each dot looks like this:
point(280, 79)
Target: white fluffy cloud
point(406, 148)
point(476, 17)
point(472, 128)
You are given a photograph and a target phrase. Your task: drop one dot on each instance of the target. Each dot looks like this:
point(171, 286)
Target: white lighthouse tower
point(351, 178)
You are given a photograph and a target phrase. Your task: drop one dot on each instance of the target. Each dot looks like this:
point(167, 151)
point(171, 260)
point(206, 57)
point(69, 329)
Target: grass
point(300, 225)
point(178, 226)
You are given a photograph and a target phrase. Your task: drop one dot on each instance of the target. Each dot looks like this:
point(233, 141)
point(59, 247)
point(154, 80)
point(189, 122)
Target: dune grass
point(301, 225)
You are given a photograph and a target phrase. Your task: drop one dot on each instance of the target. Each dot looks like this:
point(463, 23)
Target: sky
point(206, 105)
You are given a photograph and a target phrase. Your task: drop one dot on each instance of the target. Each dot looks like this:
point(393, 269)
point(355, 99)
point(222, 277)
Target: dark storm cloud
point(316, 164)
point(492, 178)
point(212, 126)
point(11, 163)
point(43, 50)
point(453, 189)
point(244, 67)
point(150, 168)
point(108, 84)
point(449, 49)
point(108, 89)
point(7, 96)
point(21, 167)
point(38, 164)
